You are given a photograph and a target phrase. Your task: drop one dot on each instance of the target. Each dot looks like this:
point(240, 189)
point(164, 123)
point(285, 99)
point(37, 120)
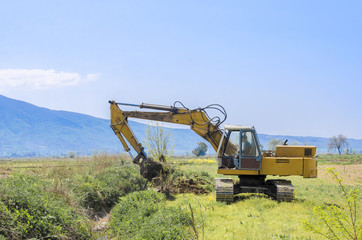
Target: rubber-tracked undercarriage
point(277, 189)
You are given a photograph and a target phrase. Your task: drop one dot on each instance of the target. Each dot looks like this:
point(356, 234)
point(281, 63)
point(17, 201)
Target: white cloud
point(93, 76)
point(40, 78)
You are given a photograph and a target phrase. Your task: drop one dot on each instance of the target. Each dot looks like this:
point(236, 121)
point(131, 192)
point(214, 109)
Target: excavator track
point(280, 190)
point(224, 190)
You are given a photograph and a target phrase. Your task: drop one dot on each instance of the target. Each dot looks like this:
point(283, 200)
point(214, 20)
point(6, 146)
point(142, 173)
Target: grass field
point(340, 159)
point(87, 182)
point(258, 217)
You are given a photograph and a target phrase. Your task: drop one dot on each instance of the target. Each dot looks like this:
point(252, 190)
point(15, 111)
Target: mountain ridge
point(29, 130)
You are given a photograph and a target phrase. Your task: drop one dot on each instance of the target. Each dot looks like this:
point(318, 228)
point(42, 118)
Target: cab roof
point(238, 127)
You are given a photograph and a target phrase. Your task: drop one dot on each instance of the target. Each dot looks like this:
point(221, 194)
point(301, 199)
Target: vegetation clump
point(339, 222)
point(192, 182)
point(28, 210)
point(173, 180)
point(142, 215)
point(98, 191)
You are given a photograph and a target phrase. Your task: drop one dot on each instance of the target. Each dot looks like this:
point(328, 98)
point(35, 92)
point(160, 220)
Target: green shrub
point(6, 220)
point(167, 223)
point(101, 191)
point(28, 210)
point(142, 215)
point(339, 222)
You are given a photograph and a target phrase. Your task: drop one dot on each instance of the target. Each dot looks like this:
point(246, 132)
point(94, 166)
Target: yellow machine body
point(288, 160)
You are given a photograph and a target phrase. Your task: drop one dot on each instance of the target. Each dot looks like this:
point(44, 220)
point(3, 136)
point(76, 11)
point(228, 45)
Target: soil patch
point(101, 224)
point(351, 174)
point(192, 185)
point(5, 172)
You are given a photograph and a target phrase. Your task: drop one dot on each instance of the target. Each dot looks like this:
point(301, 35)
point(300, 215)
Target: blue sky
point(286, 67)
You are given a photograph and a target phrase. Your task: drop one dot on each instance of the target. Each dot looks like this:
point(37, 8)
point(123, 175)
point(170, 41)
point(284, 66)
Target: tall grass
point(339, 222)
point(28, 210)
point(92, 186)
point(39, 198)
point(142, 215)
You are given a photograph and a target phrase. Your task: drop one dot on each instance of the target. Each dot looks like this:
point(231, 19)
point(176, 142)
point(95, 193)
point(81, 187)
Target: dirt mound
point(150, 169)
point(165, 178)
point(192, 185)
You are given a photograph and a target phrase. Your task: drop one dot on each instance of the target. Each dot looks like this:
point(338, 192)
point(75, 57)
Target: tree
point(337, 143)
point(273, 143)
point(200, 150)
point(71, 155)
point(158, 142)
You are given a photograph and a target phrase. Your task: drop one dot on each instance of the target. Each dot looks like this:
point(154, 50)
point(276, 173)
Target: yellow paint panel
point(295, 151)
point(281, 166)
point(310, 168)
point(306, 167)
point(237, 172)
point(271, 166)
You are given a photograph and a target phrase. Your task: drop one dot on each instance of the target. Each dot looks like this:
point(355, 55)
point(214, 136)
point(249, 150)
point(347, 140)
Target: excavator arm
point(197, 119)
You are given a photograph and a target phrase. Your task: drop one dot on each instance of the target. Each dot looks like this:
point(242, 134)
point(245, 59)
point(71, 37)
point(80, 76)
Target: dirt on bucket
point(150, 169)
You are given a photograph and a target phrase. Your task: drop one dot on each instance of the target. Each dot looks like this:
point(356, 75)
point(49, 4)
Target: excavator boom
point(197, 119)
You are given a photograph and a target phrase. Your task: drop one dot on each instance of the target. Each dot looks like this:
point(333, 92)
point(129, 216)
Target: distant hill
point(28, 130)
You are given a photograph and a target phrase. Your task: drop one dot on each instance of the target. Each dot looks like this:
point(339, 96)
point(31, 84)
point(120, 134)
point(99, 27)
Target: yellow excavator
point(238, 149)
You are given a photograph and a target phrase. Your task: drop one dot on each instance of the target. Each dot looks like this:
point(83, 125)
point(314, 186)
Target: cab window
point(248, 145)
point(232, 147)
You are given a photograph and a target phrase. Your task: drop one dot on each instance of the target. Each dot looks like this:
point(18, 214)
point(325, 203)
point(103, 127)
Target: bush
point(101, 191)
point(339, 222)
point(28, 210)
point(142, 215)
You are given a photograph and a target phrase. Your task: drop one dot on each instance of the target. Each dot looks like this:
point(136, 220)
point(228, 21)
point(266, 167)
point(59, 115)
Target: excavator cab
point(240, 149)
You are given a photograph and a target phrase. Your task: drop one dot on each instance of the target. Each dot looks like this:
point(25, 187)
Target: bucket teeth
point(224, 190)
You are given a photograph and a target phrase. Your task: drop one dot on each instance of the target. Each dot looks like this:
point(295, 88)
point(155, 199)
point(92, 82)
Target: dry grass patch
point(351, 174)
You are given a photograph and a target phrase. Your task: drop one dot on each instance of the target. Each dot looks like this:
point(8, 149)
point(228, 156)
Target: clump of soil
point(150, 169)
point(176, 181)
point(192, 185)
point(169, 180)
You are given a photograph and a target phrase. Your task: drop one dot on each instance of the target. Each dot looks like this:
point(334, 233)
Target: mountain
point(29, 130)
